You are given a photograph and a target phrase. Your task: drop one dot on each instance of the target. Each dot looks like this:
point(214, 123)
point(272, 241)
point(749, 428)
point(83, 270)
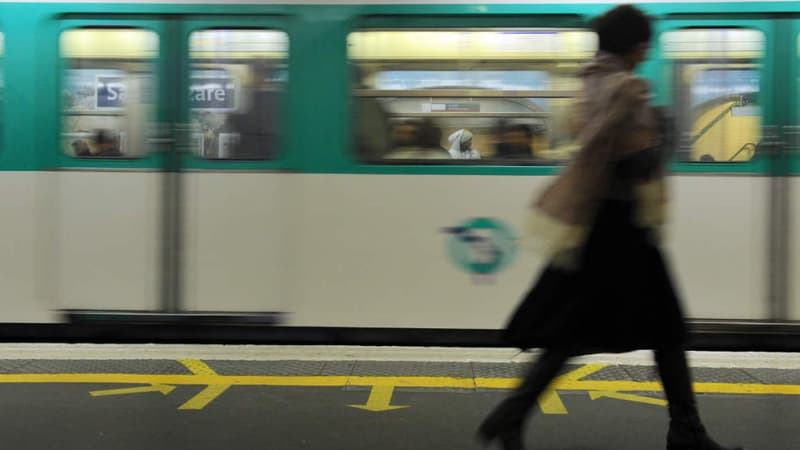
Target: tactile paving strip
point(494, 370)
point(144, 366)
point(775, 376)
point(388, 368)
point(718, 375)
point(267, 368)
point(641, 373)
point(608, 373)
point(411, 368)
point(338, 368)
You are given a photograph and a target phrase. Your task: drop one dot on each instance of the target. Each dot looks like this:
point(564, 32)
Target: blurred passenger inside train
point(417, 140)
point(515, 142)
point(497, 135)
point(373, 136)
point(461, 145)
point(81, 149)
point(106, 145)
point(256, 120)
point(431, 139)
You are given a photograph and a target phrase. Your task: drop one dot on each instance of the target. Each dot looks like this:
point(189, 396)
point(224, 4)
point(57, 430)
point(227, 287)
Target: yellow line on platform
point(205, 397)
point(731, 388)
point(405, 381)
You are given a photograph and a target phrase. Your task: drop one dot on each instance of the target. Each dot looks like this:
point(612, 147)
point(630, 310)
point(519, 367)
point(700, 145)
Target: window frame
point(62, 83)
point(682, 96)
point(151, 158)
point(445, 23)
point(168, 150)
point(665, 91)
point(283, 155)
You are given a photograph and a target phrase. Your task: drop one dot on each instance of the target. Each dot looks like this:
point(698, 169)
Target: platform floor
point(282, 398)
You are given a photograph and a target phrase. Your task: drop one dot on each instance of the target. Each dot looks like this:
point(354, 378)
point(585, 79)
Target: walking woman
point(606, 288)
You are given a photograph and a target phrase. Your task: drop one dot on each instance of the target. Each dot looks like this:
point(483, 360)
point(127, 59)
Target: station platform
point(120, 397)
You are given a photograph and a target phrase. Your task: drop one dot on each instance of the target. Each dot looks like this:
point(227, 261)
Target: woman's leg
point(686, 431)
point(507, 418)
point(675, 376)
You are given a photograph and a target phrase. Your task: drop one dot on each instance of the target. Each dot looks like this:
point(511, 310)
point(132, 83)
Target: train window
point(107, 91)
point(236, 86)
point(492, 95)
point(717, 75)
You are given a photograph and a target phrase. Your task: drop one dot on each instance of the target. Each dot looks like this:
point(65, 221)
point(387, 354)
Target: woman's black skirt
point(620, 299)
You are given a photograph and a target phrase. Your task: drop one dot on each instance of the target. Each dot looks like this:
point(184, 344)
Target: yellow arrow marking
point(550, 402)
point(207, 395)
point(580, 372)
point(163, 388)
point(594, 395)
point(379, 399)
point(197, 367)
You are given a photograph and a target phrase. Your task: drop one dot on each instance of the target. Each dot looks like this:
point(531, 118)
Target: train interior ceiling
point(363, 171)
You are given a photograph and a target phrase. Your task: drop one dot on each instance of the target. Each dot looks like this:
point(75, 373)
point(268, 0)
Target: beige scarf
point(612, 120)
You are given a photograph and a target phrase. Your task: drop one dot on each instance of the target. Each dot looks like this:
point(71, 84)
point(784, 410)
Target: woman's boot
point(509, 439)
point(686, 431)
point(505, 422)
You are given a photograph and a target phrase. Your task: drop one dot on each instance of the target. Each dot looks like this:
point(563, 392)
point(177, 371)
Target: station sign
point(212, 93)
point(206, 93)
point(111, 92)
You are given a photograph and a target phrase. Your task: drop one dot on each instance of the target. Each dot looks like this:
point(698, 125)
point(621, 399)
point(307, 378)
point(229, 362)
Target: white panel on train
point(106, 240)
point(26, 297)
point(374, 251)
point(718, 234)
point(236, 249)
point(388, 264)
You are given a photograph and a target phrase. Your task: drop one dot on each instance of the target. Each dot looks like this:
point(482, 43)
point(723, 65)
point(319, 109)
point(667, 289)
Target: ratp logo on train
point(481, 246)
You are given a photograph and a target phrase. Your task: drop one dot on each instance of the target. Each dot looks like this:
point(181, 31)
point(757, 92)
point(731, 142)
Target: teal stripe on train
point(317, 110)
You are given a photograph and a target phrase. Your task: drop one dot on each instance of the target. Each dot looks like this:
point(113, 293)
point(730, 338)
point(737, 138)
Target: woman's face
point(638, 54)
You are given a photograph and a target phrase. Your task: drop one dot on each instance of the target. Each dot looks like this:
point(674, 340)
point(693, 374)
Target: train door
point(167, 201)
point(233, 192)
point(104, 211)
point(718, 75)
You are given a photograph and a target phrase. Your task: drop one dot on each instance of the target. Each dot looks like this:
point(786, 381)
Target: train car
point(295, 171)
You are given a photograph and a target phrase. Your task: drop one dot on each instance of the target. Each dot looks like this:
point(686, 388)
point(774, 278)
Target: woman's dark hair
point(621, 29)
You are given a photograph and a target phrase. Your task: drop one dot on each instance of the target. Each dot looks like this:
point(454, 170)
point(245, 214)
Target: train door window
point(490, 95)
point(236, 86)
point(107, 91)
point(717, 77)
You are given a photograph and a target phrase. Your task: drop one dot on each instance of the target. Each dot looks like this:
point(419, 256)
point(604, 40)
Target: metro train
point(290, 171)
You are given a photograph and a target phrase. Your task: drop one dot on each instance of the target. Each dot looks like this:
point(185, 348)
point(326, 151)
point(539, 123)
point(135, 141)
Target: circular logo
point(481, 246)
